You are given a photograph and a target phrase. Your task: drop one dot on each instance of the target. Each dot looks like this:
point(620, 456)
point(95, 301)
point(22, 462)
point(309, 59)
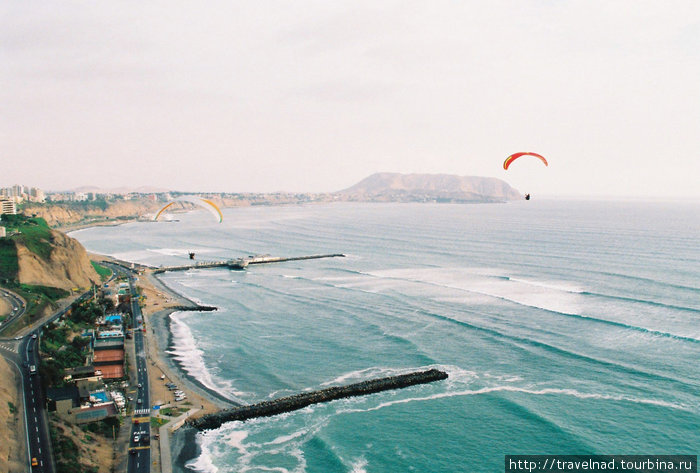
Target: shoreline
point(159, 332)
point(182, 443)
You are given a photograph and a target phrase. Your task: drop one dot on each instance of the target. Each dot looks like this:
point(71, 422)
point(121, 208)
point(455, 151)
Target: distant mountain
point(121, 190)
point(394, 187)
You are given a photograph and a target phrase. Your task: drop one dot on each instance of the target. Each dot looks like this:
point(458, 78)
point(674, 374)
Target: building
point(37, 195)
point(8, 206)
point(3, 232)
point(79, 406)
point(108, 357)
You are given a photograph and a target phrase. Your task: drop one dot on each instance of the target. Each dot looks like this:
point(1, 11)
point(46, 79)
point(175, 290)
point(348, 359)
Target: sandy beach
point(160, 302)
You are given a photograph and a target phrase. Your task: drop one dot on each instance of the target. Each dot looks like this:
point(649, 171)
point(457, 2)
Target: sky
point(313, 96)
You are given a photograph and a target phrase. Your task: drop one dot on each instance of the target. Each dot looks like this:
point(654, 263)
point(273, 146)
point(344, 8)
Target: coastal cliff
point(37, 255)
point(66, 266)
point(65, 214)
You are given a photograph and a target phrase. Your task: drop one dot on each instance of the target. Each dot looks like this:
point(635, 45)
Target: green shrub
point(9, 266)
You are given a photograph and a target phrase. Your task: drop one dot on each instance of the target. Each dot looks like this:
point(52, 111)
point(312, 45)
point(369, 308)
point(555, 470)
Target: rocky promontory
point(395, 187)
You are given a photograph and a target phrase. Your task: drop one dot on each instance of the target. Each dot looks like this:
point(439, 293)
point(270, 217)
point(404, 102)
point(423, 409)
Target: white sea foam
point(358, 466)
point(494, 283)
point(361, 375)
point(536, 392)
point(184, 252)
point(190, 357)
point(249, 455)
point(287, 438)
point(557, 285)
point(235, 439)
point(204, 463)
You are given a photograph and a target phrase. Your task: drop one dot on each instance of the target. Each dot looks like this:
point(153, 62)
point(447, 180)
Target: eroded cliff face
point(11, 448)
point(67, 267)
point(60, 215)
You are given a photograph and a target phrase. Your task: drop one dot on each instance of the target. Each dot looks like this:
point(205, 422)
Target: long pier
point(299, 401)
point(242, 263)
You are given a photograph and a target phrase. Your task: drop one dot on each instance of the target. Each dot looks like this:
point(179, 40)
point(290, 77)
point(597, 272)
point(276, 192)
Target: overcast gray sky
point(316, 95)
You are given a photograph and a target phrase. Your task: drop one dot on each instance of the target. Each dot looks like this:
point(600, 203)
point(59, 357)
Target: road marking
point(37, 429)
point(35, 419)
point(39, 450)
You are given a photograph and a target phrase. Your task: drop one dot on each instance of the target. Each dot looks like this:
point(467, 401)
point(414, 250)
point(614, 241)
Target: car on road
point(18, 337)
point(138, 401)
point(32, 369)
point(34, 335)
point(139, 385)
point(34, 462)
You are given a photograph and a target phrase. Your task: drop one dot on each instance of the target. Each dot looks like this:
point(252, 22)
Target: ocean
point(566, 327)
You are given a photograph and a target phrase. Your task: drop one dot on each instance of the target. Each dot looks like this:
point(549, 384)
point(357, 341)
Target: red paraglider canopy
point(515, 156)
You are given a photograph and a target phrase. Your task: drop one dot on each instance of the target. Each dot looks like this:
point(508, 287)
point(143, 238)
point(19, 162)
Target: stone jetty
point(299, 401)
point(242, 263)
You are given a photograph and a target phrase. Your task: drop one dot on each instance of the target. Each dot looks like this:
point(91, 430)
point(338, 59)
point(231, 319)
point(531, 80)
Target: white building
point(7, 206)
point(37, 195)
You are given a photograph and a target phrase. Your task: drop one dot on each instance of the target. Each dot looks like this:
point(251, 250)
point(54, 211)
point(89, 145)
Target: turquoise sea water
point(565, 327)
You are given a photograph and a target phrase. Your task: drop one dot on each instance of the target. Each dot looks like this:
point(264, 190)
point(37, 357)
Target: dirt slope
point(12, 454)
point(67, 267)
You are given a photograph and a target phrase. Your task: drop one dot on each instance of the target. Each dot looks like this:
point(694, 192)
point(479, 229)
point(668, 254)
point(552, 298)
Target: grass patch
point(103, 272)
point(156, 422)
point(35, 234)
point(32, 232)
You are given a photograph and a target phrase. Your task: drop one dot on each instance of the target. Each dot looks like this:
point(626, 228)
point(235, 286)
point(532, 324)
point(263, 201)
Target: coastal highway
point(36, 417)
point(139, 444)
point(23, 353)
point(16, 307)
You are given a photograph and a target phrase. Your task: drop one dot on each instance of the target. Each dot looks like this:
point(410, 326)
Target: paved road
point(35, 408)
point(22, 352)
point(139, 444)
point(17, 307)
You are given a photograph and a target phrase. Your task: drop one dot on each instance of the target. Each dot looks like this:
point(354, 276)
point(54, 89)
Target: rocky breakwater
point(299, 401)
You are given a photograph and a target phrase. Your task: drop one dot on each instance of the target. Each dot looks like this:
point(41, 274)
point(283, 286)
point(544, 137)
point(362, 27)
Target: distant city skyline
point(315, 96)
